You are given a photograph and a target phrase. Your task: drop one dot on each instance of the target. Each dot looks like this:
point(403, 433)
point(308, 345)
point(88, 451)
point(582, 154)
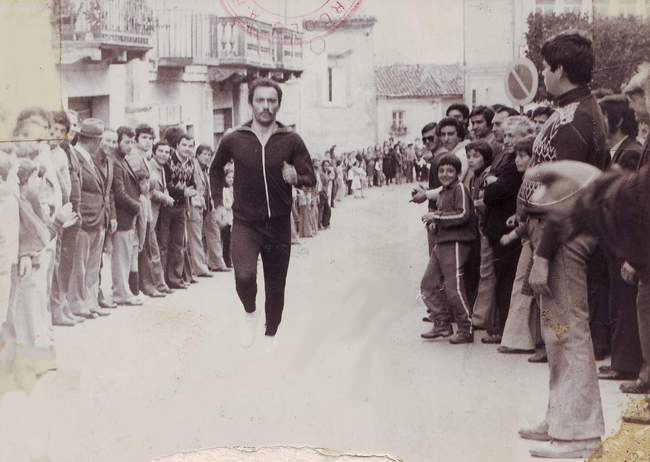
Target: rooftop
point(419, 80)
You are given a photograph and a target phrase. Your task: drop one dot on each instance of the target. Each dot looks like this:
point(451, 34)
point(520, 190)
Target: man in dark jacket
point(269, 160)
point(500, 197)
point(621, 314)
point(126, 193)
point(573, 423)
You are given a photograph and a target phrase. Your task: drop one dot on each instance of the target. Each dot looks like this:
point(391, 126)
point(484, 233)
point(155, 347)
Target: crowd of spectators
point(497, 264)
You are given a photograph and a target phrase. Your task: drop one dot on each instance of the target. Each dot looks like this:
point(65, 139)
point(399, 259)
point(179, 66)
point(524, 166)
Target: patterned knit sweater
point(575, 131)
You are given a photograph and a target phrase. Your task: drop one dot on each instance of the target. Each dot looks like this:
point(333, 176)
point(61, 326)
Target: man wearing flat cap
point(96, 182)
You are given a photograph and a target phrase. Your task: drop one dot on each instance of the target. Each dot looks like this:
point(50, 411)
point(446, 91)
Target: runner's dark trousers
point(270, 238)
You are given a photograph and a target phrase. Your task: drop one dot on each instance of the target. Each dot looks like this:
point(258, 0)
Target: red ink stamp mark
point(313, 19)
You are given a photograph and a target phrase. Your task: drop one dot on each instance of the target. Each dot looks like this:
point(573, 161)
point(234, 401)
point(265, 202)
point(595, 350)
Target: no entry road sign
point(521, 81)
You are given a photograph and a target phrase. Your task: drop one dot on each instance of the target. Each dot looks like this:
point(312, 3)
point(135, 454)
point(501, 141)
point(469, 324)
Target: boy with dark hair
point(453, 228)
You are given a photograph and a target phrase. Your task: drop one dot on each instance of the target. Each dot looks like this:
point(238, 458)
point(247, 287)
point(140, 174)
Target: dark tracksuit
point(261, 210)
point(455, 231)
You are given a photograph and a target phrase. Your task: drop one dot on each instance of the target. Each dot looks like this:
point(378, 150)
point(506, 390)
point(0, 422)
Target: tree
point(620, 44)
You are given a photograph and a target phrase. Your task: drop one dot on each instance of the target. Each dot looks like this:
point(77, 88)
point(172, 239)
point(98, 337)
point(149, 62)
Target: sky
point(417, 31)
point(407, 31)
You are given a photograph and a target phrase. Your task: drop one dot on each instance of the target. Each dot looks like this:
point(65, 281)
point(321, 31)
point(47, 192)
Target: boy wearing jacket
point(453, 228)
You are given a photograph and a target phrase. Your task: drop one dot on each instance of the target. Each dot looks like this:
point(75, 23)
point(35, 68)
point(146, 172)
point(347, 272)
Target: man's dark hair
point(428, 127)
point(61, 118)
point(572, 51)
point(483, 148)
point(543, 110)
point(485, 111)
point(451, 122)
point(203, 147)
point(124, 131)
point(619, 115)
point(502, 107)
point(144, 128)
point(264, 82)
point(173, 136)
point(460, 107)
point(525, 145)
point(159, 143)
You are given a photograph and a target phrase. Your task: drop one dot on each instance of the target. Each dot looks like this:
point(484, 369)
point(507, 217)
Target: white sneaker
point(248, 329)
point(558, 449)
point(270, 343)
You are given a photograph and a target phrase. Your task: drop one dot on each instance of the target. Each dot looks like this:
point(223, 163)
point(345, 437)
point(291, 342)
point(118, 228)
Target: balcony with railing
point(288, 48)
point(123, 25)
point(188, 37)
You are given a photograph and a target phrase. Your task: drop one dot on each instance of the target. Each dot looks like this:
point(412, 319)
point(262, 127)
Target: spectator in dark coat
point(126, 193)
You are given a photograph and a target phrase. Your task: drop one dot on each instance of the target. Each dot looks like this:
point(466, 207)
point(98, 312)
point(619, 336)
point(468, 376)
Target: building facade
point(171, 63)
point(337, 96)
point(411, 96)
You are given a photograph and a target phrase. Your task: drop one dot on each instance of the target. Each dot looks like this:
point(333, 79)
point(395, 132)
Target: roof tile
point(419, 80)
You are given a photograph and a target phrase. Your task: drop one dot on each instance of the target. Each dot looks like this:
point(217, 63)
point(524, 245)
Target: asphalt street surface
point(349, 372)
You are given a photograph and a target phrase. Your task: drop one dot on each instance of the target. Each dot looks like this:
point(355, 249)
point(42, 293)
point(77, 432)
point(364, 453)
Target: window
point(330, 76)
point(545, 6)
point(221, 121)
point(398, 120)
point(335, 92)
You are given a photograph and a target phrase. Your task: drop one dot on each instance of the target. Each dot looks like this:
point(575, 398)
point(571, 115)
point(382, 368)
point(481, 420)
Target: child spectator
point(453, 229)
point(523, 153)
point(226, 231)
point(479, 160)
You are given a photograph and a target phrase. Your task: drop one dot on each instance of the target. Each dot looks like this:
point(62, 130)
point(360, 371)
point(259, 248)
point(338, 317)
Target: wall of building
point(350, 120)
point(92, 80)
point(417, 113)
point(185, 98)
point(488, 49)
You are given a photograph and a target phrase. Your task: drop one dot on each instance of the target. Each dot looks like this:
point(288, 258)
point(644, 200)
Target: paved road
point(349, 374)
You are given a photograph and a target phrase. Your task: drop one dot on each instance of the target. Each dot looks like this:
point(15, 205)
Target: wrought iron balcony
point(288, 48)
point(188, 37)
point(123, 25)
